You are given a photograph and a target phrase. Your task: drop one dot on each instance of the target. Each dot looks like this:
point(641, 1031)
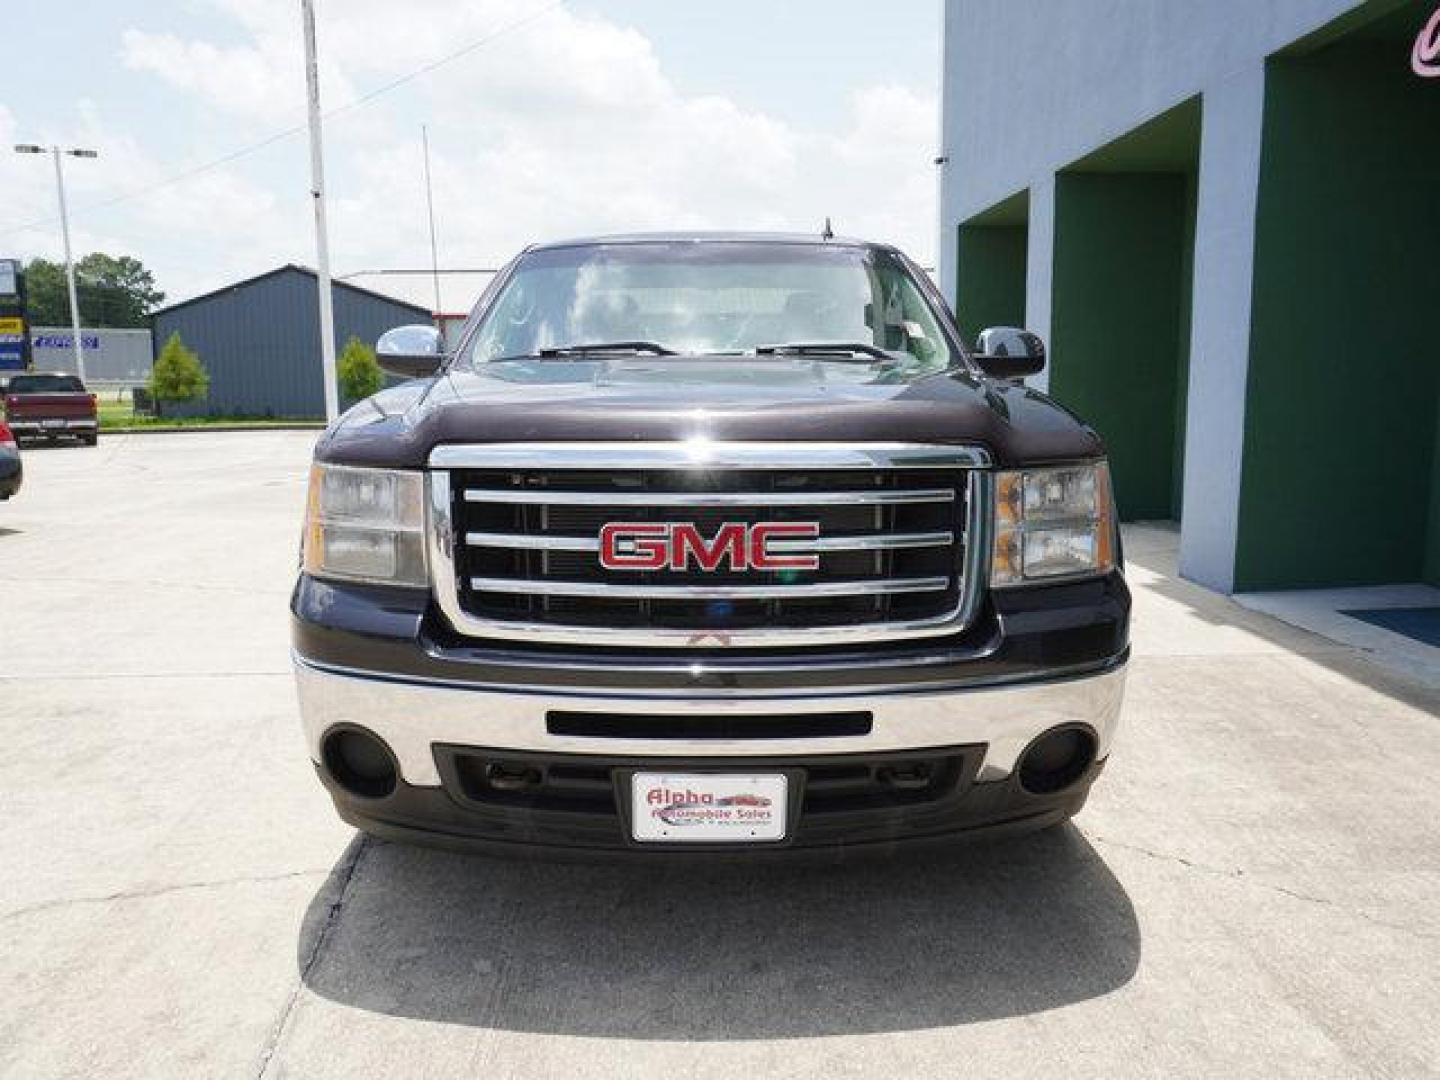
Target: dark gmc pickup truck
point(712, 543)
point(49, 406)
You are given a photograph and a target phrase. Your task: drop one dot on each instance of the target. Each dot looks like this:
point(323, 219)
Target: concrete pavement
point(1249, 893)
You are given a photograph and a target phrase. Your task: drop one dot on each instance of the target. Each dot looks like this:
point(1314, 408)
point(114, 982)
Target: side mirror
point(1007, 352)
point(412, 352)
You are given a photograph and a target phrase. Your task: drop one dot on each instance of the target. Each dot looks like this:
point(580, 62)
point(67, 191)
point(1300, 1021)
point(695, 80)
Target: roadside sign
point(14, 339)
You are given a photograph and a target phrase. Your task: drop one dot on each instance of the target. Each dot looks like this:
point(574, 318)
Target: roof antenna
point(827, 233)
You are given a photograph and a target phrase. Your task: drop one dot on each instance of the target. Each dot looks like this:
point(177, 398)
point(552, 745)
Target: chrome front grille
point(515, 541)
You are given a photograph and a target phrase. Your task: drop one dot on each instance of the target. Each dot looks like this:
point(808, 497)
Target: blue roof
point(288, 268)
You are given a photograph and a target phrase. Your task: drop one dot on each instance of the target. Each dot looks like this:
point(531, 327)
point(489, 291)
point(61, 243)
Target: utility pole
point(55, 152)
point(430, 207)
point(317, 192)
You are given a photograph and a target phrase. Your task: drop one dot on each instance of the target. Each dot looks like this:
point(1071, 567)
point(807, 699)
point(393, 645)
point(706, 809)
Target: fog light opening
point(360, 762)
point(1057, 759)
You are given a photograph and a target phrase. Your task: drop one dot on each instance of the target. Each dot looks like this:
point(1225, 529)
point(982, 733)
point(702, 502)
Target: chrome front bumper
point(414, 716)
point(44, 427)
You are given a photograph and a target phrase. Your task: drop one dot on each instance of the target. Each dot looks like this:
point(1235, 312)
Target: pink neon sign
point(1425, 56)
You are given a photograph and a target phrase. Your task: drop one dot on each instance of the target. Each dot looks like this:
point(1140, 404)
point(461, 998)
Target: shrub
point(178, 374)
point(359, 372)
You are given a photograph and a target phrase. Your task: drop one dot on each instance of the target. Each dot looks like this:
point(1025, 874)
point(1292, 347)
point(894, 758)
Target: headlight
point(1052, 523)
point(365, 525)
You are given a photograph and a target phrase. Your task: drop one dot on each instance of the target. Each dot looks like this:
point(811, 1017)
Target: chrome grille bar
point(860, 542)
point(706, 454)
point(547, 497)
point(461, 532)
point(605, 590)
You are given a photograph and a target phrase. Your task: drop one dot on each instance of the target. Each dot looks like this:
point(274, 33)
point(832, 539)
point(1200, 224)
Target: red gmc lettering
point(642, 546)
point(762, 534)
point(656, 545)
point(728, 543)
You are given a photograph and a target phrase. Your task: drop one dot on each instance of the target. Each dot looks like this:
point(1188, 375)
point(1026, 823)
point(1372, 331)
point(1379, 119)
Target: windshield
point(713, 298)
point(45, 384)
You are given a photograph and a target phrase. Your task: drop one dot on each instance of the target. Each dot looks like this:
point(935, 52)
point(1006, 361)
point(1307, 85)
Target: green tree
point(124, 289)
point(359, 371)
point(45, 301)
point(178, 374)
point(113, 291)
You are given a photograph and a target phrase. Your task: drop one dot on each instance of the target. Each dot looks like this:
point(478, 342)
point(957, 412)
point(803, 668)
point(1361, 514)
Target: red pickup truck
point(49, 406)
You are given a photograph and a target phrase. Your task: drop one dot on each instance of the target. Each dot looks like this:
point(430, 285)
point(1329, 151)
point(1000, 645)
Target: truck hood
point(731, 398)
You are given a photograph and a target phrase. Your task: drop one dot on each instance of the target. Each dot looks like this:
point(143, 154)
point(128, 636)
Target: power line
point(420, 270)
point(270, 140)
point(448, 58)
point(175, 178)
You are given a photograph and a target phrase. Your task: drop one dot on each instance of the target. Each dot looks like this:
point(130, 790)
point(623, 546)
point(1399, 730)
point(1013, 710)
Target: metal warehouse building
point(1224, 217)
point(259, 339)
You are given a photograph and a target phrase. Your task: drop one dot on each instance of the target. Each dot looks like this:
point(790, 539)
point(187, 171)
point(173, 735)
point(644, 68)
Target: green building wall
point(1341, 476)
point(1120, 322)
point(990, 268)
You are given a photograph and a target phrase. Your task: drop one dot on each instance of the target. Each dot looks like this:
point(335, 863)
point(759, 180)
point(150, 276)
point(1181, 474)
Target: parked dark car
point(12, 472)
point(50, 406)
point(712, 543)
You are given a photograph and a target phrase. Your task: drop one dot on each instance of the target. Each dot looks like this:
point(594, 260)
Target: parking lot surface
point(1251, 891)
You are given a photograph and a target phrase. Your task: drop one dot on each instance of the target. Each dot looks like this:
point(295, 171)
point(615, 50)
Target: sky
point(566, 118)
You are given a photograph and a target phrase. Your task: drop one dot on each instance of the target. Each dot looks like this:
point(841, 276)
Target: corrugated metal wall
point(260, 341)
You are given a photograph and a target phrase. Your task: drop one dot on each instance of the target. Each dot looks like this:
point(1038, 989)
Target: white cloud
point(567, 125)
point(573, 126)
point(203, 231)
point(884, 179)
point(261, 79)
point(239, 80)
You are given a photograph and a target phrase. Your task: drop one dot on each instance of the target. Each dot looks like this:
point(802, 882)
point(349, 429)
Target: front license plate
point(52, 423)
point(736, 808)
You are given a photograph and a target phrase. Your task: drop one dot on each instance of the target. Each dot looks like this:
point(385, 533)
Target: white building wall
point(1039, 265)
point(1031, 85)
point(1226, 191)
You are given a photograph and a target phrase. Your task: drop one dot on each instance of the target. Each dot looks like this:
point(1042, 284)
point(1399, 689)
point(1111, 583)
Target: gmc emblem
point(667, 545)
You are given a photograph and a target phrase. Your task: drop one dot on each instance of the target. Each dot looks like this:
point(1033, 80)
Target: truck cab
point(709, 544)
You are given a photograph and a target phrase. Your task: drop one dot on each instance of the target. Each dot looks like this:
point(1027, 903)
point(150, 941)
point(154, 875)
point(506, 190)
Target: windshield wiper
point(651, 348)
point(852, 350)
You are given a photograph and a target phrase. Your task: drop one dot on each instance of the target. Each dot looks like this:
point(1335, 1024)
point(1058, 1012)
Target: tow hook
point(509, 776)
point(907, 777)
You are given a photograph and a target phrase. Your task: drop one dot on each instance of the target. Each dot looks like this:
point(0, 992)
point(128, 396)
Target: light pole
point(317, 192)
point(430, 209)
point(55, 152)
